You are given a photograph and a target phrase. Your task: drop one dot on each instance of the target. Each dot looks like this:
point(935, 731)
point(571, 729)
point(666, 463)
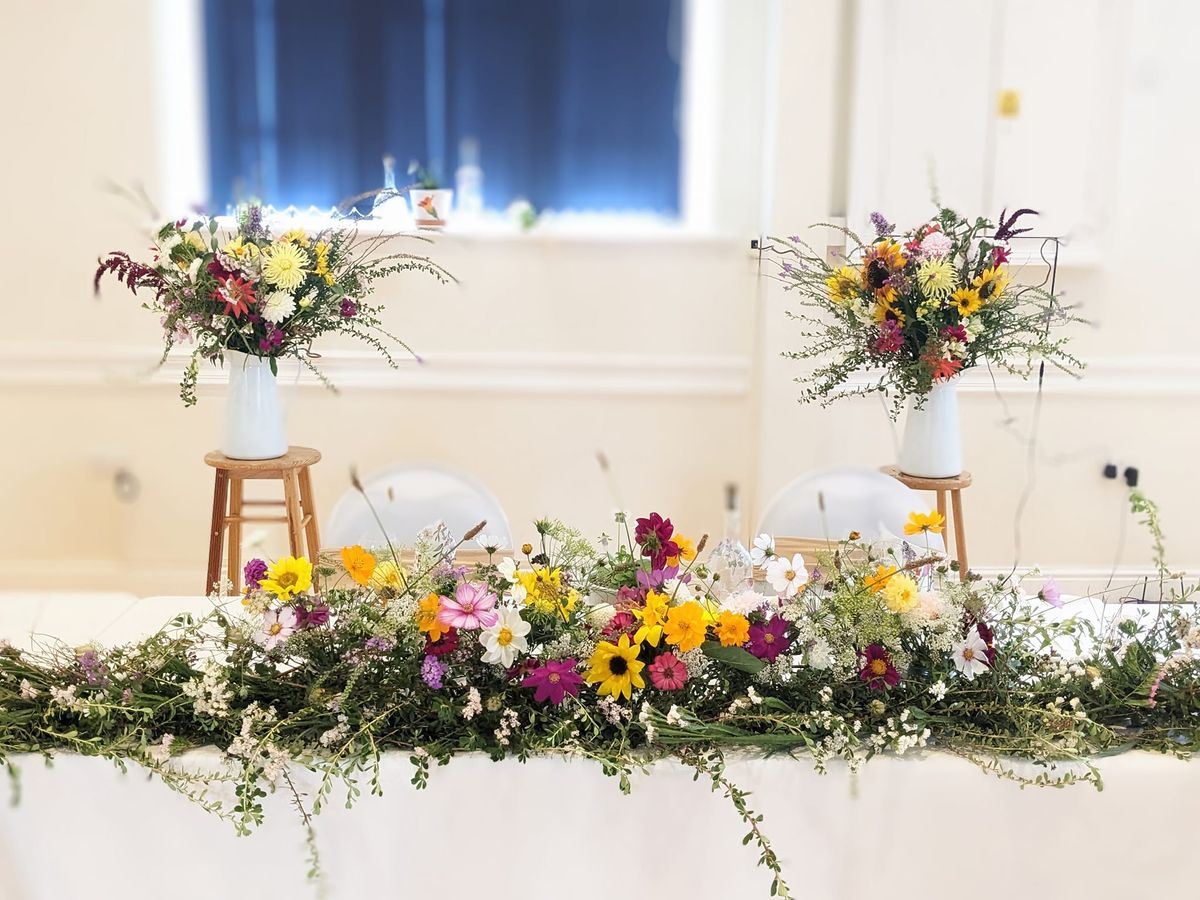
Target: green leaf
point(734, 657)
point(274, 367)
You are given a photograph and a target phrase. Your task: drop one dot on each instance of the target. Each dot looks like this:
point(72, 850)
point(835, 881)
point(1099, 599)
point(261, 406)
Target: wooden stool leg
point(234, 551)
point(960, 539)
point(941, 508)
point(216, 535)
point(312, 532)
point(291, 496)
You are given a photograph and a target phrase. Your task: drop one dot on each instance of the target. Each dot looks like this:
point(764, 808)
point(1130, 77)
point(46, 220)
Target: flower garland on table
point(917, 308)
point(243, 289)
point(625, 654)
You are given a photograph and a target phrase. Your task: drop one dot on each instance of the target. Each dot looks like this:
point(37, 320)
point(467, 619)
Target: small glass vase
point(932, 446)
point(253, 416)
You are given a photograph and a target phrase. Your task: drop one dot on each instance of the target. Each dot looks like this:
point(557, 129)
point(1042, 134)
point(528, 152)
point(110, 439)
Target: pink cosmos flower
point(553, 680)
point(768, 640)
point(278, 625)
point(1051, 593)
point(472, 606)
point(668, 673)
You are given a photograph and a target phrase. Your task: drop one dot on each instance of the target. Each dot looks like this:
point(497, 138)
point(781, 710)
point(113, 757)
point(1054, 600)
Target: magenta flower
point(472, 606)
point(653, 535)
point(254, 572)
point(955, 333)
point(553, 680)
point(447, 644)
point(768, 641)
point(349, 308)
point(999, 256)
point(621, 623)
point(1051, 594)
point(314, 616)
point(668, 673)
point(890, 339)
point(878, 671)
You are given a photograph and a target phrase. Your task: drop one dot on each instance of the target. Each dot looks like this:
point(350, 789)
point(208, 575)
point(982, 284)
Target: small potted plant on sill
point(430, 202)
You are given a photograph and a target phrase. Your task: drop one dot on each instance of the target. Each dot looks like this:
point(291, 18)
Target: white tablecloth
point(921, 828)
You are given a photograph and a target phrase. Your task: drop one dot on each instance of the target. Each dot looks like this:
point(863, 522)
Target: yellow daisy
point(652, 616)
point(240, 249)
point(616, 668)
point(287, 577)
point(543, 588)
point(685, 627)
point(389, 575)
point(966, 300)
point(285, 265)
point(322, 269)
point(922, 523)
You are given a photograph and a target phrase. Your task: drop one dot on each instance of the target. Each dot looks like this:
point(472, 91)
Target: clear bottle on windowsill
point(389, 202)
point(729, 563)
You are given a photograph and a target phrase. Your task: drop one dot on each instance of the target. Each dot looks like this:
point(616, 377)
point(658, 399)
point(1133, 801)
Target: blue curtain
point(573, 103)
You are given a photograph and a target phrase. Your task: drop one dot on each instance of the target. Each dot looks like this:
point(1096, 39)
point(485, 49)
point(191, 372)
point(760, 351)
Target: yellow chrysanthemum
point(990, 283)
point(360, 565)
point(287, 577)
point(733, 629)
point(921, 523)
point(967, 301)
point(296, 236)
point(427, 620)
point(900, 594)
point(285, 265)
point(877, 582)
point(844, 285)
point(616, 668)
point(687, 549)
point(685, 627)
point(652, 616)
point(389, 575)
point(936, 278)
point(240, 248)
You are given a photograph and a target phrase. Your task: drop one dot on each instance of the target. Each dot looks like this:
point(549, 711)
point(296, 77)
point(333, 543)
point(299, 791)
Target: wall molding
point(516, 372)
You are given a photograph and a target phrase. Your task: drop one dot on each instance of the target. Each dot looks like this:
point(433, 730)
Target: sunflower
point(844, 285)
point(966, 300)
point(887, 309)
point(882, 261)
point(285, 265)
point(288, 576)
point(990, 283)
point(360, 565)
point(616, 668)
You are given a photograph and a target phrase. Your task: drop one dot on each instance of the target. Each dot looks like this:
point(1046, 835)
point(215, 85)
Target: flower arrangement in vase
point(911, 311)
point(430, 201)
point(240, 295)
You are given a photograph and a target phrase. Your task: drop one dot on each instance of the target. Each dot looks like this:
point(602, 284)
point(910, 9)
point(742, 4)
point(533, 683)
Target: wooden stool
point(940, 486)
point(301, 513)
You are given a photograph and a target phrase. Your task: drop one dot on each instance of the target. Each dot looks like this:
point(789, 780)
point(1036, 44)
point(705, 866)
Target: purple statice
point(882, 226)
point(432, 671)
point(349, 308)
point(94, 670)
point(254, 572)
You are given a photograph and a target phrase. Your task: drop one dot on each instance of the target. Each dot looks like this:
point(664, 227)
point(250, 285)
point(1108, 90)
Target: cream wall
point(661, 352)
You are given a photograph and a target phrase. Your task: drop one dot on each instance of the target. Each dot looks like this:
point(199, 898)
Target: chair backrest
point(408, 498)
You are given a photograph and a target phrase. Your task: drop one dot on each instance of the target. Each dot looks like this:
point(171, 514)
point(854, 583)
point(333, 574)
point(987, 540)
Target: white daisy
point(508, 569)
point(787, 576)
point(278, 306)
point(490, 542)
point(763, 549)
point(970, 656)
point(504, 640)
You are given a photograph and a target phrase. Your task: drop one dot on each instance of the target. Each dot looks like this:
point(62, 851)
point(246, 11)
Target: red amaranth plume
point(1005, 231)
point(134, 275)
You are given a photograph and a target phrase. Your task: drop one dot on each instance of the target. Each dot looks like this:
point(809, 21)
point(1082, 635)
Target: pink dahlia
point(472, 606)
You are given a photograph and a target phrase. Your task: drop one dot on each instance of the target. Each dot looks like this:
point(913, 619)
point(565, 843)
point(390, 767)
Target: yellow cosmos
point(427, 620)
point(966, 300)
point(922, 523)
point(285, 265)
point(733, 629)
point(389, 575)
point(900, 594)
point(687, 550)
point(360, 565)
point(616, 668)
point(877, 582)
point(990, 283)
point(287, 577)
point(685, 626)
point(296, 236)
point(652, 616)
point(844, 285)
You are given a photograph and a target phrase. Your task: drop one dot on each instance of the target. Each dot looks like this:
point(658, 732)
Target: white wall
point(663, 353)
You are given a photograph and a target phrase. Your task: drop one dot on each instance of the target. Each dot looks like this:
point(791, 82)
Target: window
point(571, 104)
